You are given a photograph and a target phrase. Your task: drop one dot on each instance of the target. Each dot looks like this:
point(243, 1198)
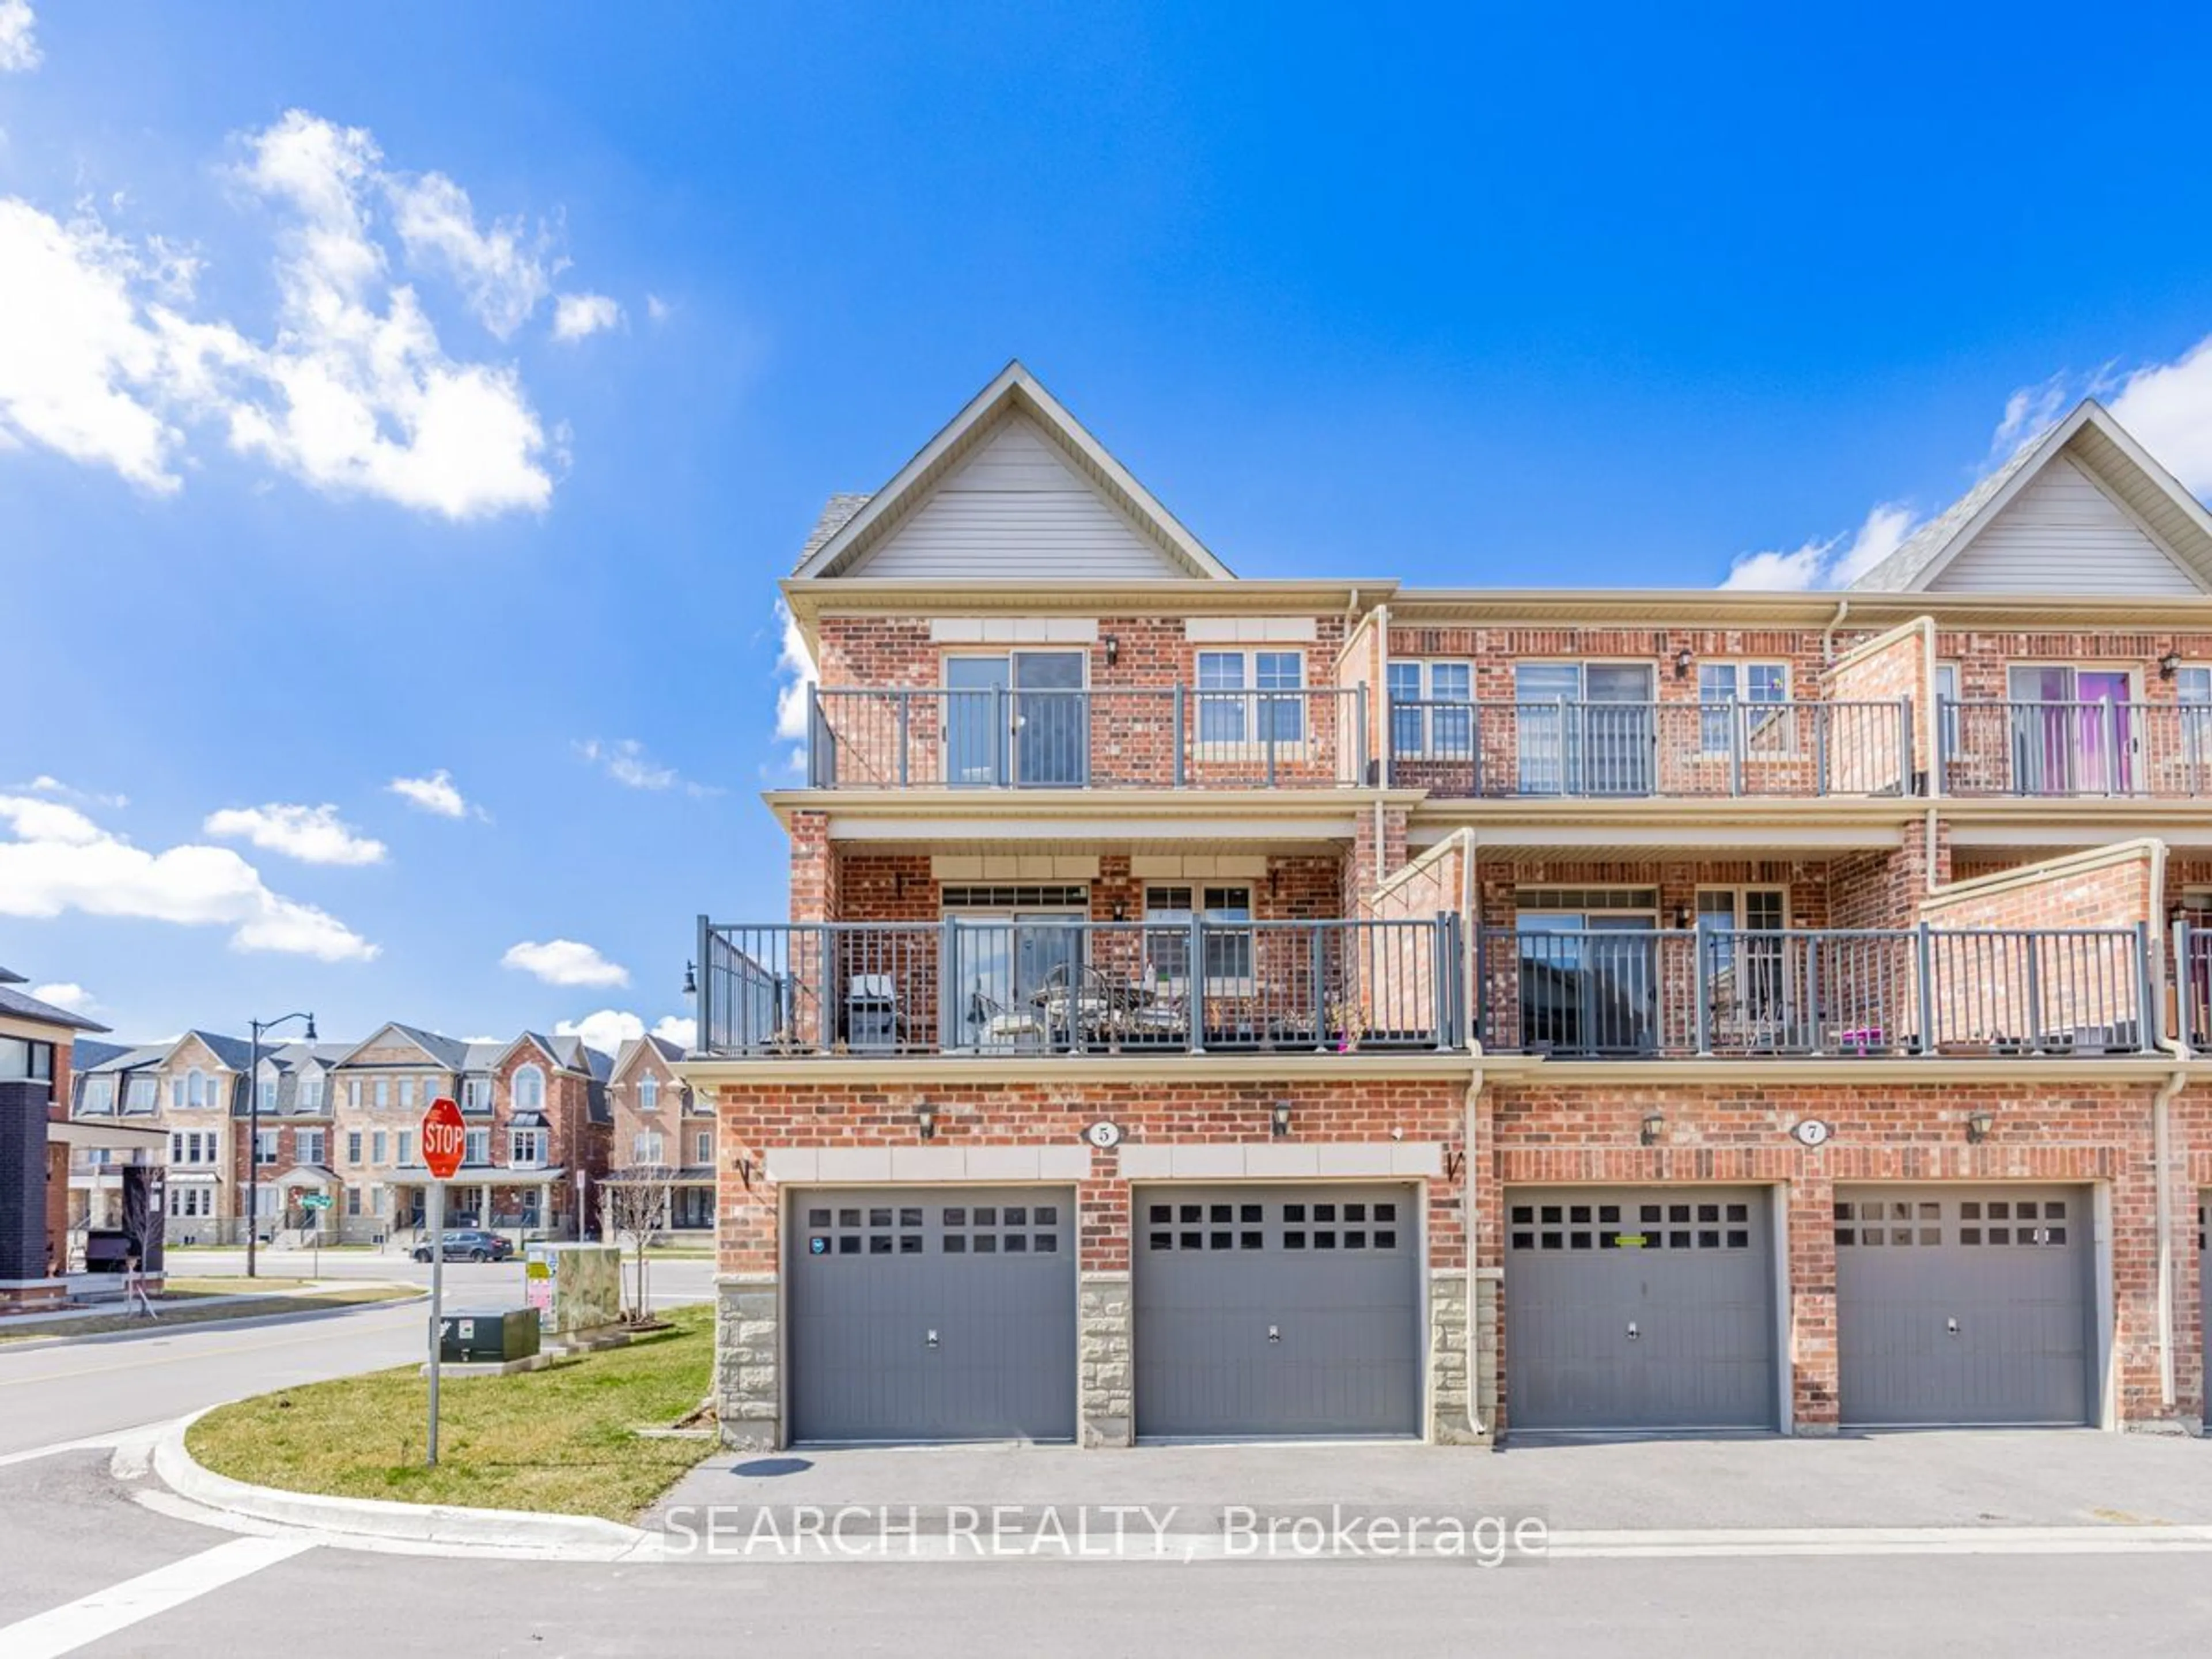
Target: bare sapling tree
point(635, 1207)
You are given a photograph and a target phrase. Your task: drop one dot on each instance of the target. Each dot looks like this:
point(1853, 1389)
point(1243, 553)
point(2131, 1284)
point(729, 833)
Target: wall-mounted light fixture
point(1979, 1125)
point(1681, 917)
point(1682, 661)
point(1655, 1125)
point(1113, 650)
point(1279, 1122)
point(1121, 911)
point(926, 1118)
point(2170, 664)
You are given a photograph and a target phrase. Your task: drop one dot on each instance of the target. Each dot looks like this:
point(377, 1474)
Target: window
point(406, 1147)
point(431, 1088)
point(383, 1197)
point(1721, 684)
point(1229, 707)
point(264, 1146)
point(143, 1094)
point(476, 1146)
point(353, 1200)
point(99, 1094)
point(353, 1149)
point(529, 1088)
point(1746, 974)
point(526, 1148)
point(376, 1147)
point(197, 1091)
point(353, 1092)
point(648, 1095)
point(406, 1094)
point(645, 1147)
point(309, 1144)
point(702, 1147)
point(1445, 729)
point(310, 1091)
point(267, 1090)
point(475, 1094)
point(1167, 913)
point(383, 1093)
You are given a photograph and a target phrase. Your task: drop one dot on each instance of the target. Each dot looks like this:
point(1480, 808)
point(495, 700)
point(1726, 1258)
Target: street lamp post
point(258, 1027)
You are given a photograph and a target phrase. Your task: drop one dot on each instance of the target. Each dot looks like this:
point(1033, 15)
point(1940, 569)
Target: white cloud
point(19, 51)
point(2168, 407)
point(313, 835)
point(503, 273)
point(576, 316)
point(610, 1027)
point(625, 761)
point(658, 309)
point(67, 995)
point(565, 962)
point(351, 393)
point(61, 860)
point(2026, 413)
point(1834, 562)
point(796, 667)
point(434, 793)
point(45, 784)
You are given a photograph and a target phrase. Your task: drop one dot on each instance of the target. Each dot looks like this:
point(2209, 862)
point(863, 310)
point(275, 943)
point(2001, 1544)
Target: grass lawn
point(561, 1440)
point(195, 1307)
point(227, 1284)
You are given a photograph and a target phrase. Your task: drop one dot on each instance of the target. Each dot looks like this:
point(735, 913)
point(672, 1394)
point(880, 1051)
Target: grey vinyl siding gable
point(2064, 534)
point(1017, 508)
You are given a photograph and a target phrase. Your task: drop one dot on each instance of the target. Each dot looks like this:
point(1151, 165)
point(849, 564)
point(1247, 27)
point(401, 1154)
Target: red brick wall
point(755, 1118)
point(1883, 669)
point(667, 1115)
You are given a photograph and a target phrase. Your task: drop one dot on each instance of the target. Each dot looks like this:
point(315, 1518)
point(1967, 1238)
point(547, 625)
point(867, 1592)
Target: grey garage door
point(1963, 1306)
point(1278, 1311)
point(932, 1314)
point(1640, 1309)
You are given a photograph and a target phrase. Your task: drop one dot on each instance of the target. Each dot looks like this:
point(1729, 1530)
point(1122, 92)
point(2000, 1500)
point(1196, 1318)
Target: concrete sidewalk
point(2054, 1477)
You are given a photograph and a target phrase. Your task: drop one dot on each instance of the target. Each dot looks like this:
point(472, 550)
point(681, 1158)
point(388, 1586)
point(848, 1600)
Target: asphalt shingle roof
point(25, 1006)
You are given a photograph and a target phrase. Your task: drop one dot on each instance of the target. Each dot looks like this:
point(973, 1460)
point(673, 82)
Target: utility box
point(488, 1336)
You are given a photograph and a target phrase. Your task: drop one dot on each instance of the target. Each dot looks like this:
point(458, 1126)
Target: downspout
point(1927, 625)
point(1828, 635)
point(1466, 1236)
point(2161, 1152)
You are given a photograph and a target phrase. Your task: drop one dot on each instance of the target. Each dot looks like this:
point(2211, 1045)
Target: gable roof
point(2091, 440)
point(447, 1051)
point(850, 526)
point(636, 1047)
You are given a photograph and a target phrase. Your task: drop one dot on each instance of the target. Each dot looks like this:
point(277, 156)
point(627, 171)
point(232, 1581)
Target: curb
point(242, 1322)
point(382, 1519)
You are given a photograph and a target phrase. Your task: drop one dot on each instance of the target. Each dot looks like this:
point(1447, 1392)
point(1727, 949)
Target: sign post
point(444, 1136)
point(315, 1204)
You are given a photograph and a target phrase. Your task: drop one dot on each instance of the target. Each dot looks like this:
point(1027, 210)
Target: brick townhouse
point(1228, 1006)
point(663, 1136)
point(340, 1120)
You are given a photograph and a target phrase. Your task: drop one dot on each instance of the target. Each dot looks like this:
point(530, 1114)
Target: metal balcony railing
point(1150, 737)
point(2159, 749)
point(1602, 993)
point(1660, 750)
point(1052, 987)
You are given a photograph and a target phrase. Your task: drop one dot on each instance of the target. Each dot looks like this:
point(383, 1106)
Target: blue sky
point(417, 390)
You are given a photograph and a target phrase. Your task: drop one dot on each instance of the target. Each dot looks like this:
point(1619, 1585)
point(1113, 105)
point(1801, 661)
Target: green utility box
point(488, 1336)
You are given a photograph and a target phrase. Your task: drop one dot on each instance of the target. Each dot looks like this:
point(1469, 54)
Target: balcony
point(1027, 988)
point(1664, 750)
point(1139, 737)
point(2156, 750)
point(1586, 994)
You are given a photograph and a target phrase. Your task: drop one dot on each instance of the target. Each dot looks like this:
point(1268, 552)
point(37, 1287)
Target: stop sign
point(444, 1136)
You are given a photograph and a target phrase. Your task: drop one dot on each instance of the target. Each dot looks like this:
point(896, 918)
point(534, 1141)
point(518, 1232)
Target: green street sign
point(316, 1201)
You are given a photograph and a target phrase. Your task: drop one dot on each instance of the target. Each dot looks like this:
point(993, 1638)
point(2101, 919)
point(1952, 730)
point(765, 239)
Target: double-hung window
point(376, 1144)
point(383, 1093)
point(1168, 915)
point(1439, 723)
point(1234, 706)
point(308, 1142)
point(476, 1146)
point(528, 1089)
point(1739, 932)
point(353, 1148)
point(264, 1146)
point(142, 1094)
point(406, 1147)
point(406, 1094)
point(645, 1148)
point(648, 1095)
point(526, 1148)
point(99, 1094)
point(702, 1147)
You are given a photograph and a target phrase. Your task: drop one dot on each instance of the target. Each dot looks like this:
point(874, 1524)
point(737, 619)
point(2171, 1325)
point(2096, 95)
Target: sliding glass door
point(1022, 718)
point(1585, 728)
point(2073, 731)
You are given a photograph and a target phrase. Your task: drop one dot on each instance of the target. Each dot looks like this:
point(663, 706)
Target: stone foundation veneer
point(1450, 1370)
point(1106, 1389)
point(748, 1370)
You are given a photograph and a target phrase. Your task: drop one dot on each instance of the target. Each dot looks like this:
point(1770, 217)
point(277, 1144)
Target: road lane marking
point(87, 1619)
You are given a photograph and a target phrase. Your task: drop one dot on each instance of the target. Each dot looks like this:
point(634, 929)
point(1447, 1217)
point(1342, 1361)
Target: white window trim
point(1425, 692)
point(1250, 744)
point(514, 1088)
point(1216, 985)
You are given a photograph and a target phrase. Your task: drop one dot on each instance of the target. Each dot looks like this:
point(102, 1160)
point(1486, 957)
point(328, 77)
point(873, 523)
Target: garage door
point(1278, 1311)
point(932, 1314)
point(1963, 1306)
point(1640, 1309)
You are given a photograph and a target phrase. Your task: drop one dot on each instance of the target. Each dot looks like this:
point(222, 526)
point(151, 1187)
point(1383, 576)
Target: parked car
point(470, 1244)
